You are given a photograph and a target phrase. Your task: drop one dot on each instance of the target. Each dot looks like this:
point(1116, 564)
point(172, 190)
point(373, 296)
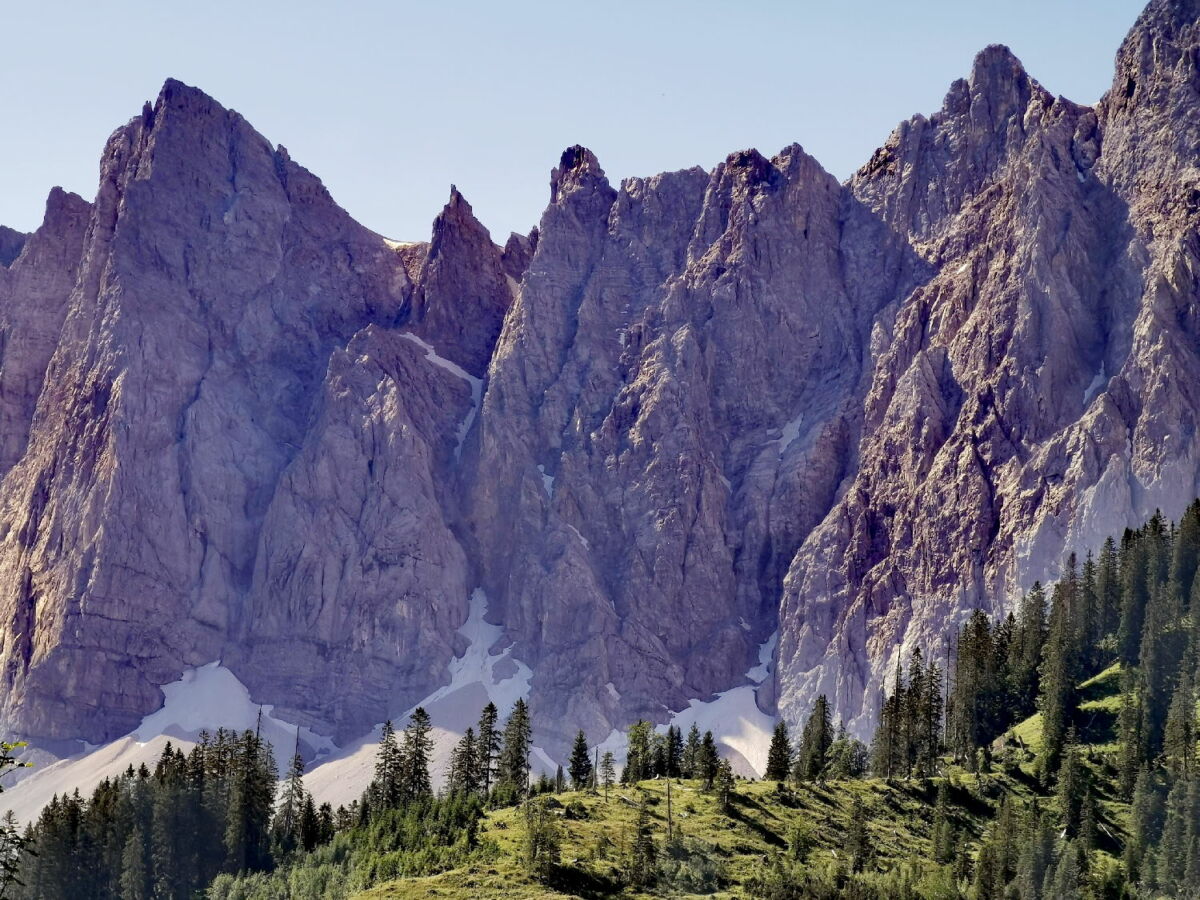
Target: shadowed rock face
point(683, 413)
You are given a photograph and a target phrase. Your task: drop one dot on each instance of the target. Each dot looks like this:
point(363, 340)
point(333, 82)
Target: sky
point(389, 103)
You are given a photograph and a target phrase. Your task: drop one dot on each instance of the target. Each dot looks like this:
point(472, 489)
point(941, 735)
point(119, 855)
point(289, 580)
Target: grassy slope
point(901, 814)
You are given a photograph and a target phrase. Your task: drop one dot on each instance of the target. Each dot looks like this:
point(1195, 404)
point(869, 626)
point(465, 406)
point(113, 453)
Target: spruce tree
point(608, 772)
point(135, 871)
point(487, 748)
point(464, 765)
point(1179, 737)
point(1060, 668)
point(580, 764)
point(642, 868)
point(815, 741)
point(286, 828)
point(387, 789)
point(513, 769)
point(415, 783)
point(858, 839)
point(691, 753)
point(638, 759)
point(779, 755)
point(708, 761)
point(674, 747)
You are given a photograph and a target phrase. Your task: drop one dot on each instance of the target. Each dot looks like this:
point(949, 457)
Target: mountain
point(732, 437)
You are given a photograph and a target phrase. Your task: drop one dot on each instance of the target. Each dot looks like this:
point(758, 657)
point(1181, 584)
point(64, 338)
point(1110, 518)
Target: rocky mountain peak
point(577, 170)
point(463, 288)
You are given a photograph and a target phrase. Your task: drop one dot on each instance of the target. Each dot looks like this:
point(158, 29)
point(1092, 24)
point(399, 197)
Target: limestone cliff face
point(1038, 392)
point(683, 413)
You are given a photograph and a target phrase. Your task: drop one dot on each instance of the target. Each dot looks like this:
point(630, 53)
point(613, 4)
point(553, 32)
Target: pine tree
point(608, 772)
point(464, 765)
point(1177, 833)
point(513, 769)
point(388, 787)
point(135, 871)
point(415, 783)
point(542, 839)
point(674, 745)
point(815, 741)
point(638, 760)
point(291, 801)
point(580, 764)
point(944, 838)
point(725, 784)
point(691, 753)
point(488, 748)
point(1060, 668)
point(779, 755)
point(708, 761)
point(1146, 812)
point(642, 867)
point(1073, 787)
point(1179, 737)
point(858, 839)
point(251, 799)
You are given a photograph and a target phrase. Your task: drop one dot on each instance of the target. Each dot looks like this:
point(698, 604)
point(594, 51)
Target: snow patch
point(476, 385)
point(791, 431)
point(547, 480)
point(733, 716)
point(737, 724)
point(613, 692)
point(962, 269)
point(1097, 383)
point(399, 245)
point(582, 539)
point(203, 699)
point(477, 677)
point(766, 653)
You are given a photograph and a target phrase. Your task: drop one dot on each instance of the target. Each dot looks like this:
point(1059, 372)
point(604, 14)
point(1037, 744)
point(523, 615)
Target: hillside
point(736, 849)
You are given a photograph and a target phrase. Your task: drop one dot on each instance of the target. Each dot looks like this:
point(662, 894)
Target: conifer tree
point(858, 840)
point(487, 748)
point(513, 767)
point(135, 870)
point(1146, 812)
point(415, 783)
point(387, 789)
point(642, 867)
point(542, 839)
point(1179, 738)
point(638, 759)
point(1060, 668)
point(465, 766)
point(815, 741)
point(708, 761)
point(608, 772)
point(725, 784)
point(674, 745)
point(286, 828)
point(580, 764)
point(779, 755)
point(691, 753)
point(1073, 787)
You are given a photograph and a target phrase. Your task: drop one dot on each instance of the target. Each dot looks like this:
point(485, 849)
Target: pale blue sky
point(390, 102)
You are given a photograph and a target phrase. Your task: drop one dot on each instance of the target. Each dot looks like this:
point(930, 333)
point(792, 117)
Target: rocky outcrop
point(684, 413)
point(463, 287)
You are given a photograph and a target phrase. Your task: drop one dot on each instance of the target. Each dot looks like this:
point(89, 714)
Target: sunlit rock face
point(684, 415)
point(1039, 391)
